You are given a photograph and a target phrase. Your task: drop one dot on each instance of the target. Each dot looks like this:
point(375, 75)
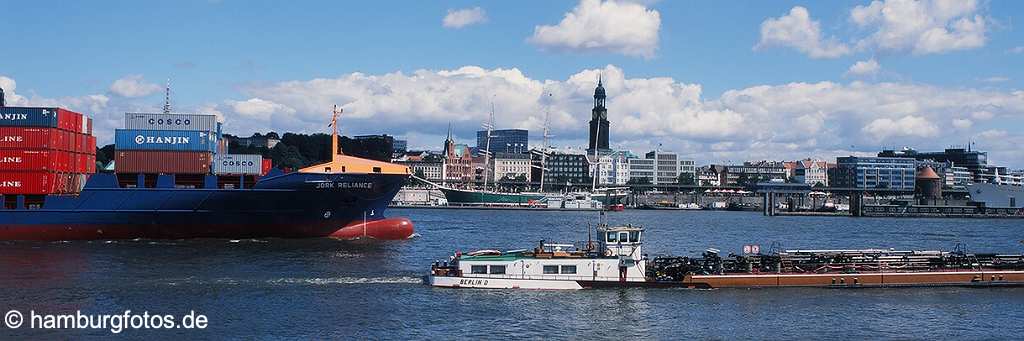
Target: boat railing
point(551, 277)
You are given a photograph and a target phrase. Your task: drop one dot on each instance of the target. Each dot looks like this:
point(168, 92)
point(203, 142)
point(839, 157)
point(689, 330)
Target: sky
point(715, 81)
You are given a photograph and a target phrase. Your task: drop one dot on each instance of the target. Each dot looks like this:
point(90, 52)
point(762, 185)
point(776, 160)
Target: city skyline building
point(504, 141)
point(891, 173)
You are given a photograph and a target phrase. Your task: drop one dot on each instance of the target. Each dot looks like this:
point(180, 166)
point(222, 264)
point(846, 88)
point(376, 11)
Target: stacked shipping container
point(165, 143)
point(44, 151)
point(238, 164)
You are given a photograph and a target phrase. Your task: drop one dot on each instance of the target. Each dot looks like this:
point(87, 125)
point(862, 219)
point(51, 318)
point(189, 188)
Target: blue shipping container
point(174, 140)
point(28, 117)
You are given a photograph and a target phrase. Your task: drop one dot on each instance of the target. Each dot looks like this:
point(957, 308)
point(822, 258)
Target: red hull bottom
point(384, 229)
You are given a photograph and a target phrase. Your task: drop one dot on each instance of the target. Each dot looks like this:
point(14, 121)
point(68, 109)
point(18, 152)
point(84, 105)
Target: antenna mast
point(167, 97)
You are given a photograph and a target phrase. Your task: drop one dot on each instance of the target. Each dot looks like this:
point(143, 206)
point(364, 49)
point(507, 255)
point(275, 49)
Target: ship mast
point(487, 153)
point(544, 148)
point(335, 150)
point(167, 97)
point(597, 168)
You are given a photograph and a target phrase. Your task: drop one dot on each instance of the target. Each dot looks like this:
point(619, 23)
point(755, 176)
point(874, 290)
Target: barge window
point(551, 269)
point(611, 237)
point(568, 269)
point(478, 269)
point(497, 269)
point(624, 237)
point(634, 236)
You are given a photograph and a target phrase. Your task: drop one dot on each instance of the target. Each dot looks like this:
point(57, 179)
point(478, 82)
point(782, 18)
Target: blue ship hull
point(294, 205)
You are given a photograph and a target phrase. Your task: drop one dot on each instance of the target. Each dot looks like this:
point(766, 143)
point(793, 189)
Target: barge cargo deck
point(616, 260)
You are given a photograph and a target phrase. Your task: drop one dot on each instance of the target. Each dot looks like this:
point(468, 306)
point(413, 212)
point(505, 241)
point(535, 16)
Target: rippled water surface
point(317, 289)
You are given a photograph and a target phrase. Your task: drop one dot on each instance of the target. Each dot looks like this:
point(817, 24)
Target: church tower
point(599, 120)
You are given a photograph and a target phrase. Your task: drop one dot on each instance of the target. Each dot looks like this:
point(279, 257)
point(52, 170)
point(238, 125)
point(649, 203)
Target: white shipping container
point(237, 164)
point(191, 122)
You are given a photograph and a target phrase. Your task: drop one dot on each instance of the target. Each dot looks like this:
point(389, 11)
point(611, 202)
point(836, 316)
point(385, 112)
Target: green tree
point(685, 179)
point(288, 156)
point(742, 179)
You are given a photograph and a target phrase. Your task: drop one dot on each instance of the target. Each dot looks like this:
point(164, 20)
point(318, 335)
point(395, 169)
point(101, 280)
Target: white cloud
point(914, 126)
point(777, 121)
point(868, 67)
point(921, 27)
point(464, 17)
point(1017, 49)
point(595, 25)
point(788, 121)
point(996, 79)
point(133, 86)
point(259, 109)
point(982, 115)
point(799, 31)
point(993, 134)
point(107, 113)
point(10, 86)
point(962, 123)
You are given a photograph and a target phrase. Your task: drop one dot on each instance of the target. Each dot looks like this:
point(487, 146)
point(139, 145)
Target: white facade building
point(612, 169)
point(708, 176)
point(662, 168)
point(507, 165)
point(432, 171)
point(640, 169)
point(811, 172)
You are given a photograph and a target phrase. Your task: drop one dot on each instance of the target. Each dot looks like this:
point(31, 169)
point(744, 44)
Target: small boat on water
point(616, 260)
point(578, 201)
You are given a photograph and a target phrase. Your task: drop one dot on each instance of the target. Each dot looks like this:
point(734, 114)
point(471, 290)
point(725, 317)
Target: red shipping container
point(79, 126)
point(91, 168)
point(79, 142)
point(72, 163)
point(31, 183)
point(268, 164)
point(166, 162)
point(91, 146)
point(67, 120)
point(72, 144)
point(83, 164)
point(36, 160)
point(24, 138)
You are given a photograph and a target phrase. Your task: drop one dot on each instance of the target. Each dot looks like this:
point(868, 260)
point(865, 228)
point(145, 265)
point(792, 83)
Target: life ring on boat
point(608, 252)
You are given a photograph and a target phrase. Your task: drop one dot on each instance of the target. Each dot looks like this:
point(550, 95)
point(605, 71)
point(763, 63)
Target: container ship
point(616, 260)
point(172, 180)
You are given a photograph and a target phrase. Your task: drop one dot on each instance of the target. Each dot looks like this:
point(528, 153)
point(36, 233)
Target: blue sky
point(714, 80)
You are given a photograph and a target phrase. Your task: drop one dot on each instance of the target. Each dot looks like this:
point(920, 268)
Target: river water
point(327, 289)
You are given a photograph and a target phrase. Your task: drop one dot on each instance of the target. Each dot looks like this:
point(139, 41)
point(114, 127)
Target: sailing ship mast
point(489, 125)
point(544, 148)
point(597, 168)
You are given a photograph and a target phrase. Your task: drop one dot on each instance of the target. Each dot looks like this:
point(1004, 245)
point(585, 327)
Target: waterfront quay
point(771, 199)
